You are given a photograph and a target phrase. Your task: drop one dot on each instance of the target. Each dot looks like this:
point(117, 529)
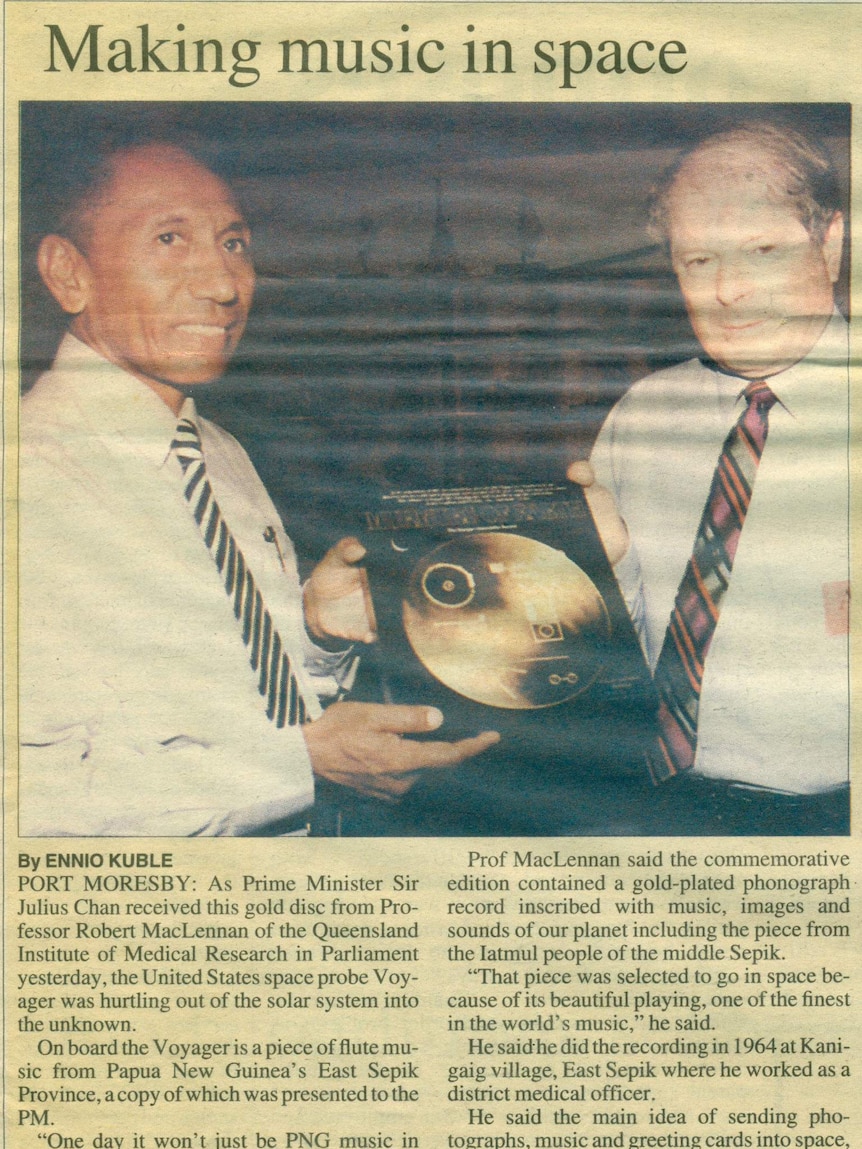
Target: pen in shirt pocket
point(270, 536)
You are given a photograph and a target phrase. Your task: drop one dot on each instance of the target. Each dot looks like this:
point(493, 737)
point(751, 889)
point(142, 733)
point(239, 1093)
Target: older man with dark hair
point(169, 682)
point(729, 481)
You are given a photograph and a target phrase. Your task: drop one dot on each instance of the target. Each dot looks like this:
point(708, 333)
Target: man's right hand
point(612, 530)
point(359, 744)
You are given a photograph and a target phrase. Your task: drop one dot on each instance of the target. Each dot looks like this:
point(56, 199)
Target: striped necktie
point(679, 671)
point(267, 655)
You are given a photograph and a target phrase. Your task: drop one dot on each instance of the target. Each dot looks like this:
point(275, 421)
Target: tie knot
point(759, 394)
point(187, 442)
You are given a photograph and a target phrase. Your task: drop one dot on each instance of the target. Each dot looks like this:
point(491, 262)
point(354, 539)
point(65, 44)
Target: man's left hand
point(612, 530)
point(360, 745)
point(337, 600)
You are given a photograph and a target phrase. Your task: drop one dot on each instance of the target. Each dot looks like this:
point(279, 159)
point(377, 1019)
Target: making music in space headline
point(98, 48)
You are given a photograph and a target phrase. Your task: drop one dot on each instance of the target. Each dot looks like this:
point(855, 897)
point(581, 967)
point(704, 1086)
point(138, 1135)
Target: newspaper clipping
point(429, 473)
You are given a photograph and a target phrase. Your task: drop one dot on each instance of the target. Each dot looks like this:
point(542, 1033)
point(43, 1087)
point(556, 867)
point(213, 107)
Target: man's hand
point(359, 744)
point(612, 530)
point(337, 599)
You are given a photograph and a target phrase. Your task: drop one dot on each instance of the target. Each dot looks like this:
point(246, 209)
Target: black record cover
point(497, 605)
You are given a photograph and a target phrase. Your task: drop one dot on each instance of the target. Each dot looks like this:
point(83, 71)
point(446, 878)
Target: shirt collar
point(803, 388)
point(117, 406)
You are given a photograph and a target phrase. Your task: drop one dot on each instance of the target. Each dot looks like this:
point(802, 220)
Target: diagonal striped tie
point(679, 671)
point(276, 679)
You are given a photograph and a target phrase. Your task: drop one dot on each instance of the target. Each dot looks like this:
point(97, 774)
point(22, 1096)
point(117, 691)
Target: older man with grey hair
point(721, 491)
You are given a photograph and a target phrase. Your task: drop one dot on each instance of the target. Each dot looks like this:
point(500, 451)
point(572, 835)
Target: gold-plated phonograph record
point(506, 621)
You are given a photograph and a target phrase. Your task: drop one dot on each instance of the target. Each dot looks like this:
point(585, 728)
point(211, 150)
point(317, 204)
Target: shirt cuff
point(628, 568)
point(331, 671)
point(630, 581)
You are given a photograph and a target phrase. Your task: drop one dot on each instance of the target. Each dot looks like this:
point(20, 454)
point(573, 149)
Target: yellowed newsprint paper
point(278, 275)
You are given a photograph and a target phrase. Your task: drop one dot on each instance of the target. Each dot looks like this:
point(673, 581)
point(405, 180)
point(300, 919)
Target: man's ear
point(65, 272)
point(832, 245)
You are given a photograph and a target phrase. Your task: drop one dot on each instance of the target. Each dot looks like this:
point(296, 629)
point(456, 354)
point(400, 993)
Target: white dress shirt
point(139, 710)
point(774, 704)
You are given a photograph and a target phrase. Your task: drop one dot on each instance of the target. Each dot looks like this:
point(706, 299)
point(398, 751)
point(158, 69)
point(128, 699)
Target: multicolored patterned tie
point(277, 681)
point(679, 671)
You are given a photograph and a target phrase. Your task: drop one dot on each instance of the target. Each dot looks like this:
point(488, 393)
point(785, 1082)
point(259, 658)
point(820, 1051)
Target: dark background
point(448, 293)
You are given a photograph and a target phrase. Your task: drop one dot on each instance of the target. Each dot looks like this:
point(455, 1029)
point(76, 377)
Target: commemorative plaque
point(497, 605)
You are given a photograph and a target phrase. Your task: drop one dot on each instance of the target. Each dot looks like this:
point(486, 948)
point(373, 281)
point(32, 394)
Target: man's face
point(757, 286)
point(167, 273)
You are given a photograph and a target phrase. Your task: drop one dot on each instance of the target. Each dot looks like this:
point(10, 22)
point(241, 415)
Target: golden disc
point(506, 621)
